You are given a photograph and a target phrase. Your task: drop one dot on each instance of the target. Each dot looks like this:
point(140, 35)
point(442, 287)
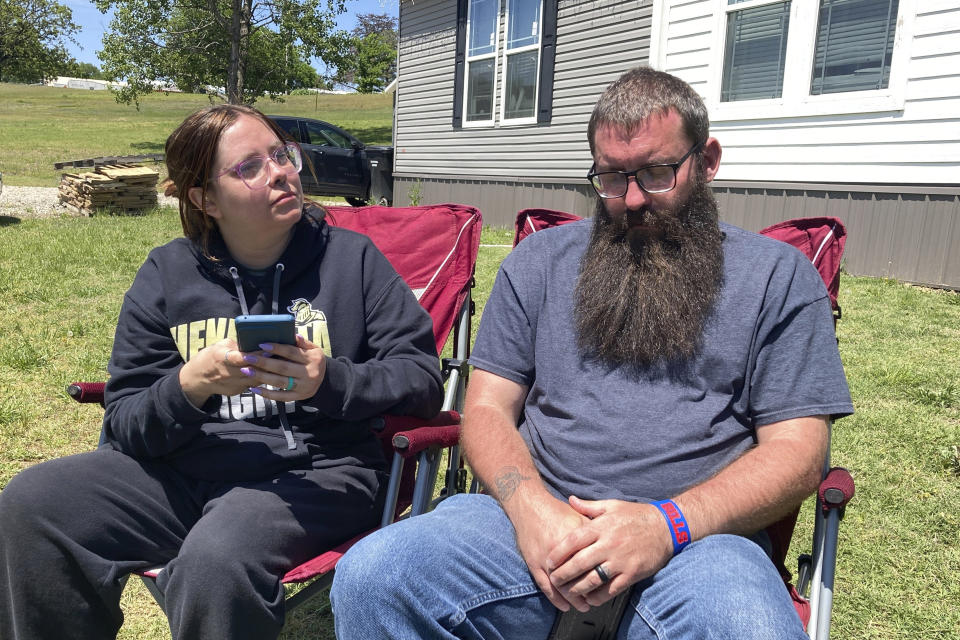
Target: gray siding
point(596, 41)
point(498, 200)
point(908, 234)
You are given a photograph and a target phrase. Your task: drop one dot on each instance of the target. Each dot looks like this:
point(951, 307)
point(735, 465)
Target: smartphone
point(252, 331)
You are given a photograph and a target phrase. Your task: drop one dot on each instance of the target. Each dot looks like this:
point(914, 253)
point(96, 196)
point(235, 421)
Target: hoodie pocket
point(224, 453)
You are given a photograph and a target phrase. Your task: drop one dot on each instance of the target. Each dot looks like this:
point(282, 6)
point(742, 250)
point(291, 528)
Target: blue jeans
point(456, 573)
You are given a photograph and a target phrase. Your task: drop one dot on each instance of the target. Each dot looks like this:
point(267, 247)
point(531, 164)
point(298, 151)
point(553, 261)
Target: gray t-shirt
point(769, 354)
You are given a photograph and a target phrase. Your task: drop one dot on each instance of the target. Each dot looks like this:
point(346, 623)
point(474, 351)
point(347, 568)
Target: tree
point(244, 48)
point(74, 69)
point(33, 36)
point(372, 61)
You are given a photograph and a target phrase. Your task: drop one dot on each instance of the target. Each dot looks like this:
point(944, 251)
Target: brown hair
point(190, 153)
point(642, 92)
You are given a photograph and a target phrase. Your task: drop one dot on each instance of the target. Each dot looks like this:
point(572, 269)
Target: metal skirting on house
point(905, 232)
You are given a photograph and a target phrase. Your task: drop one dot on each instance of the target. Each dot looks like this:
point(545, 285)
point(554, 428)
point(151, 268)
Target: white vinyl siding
point(597, 40)
point(914, 139)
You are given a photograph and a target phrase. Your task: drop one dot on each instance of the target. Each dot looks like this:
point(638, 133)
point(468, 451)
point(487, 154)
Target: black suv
point(344, 166)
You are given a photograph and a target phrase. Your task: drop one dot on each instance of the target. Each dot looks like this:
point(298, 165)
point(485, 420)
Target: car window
point(291, 127)
point(322, 135)
point(338, 138)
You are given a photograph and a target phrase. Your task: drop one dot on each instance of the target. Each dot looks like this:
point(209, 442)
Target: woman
point(228, 467)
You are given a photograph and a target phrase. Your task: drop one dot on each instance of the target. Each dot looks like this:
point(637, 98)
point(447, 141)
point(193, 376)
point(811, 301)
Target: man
point(672, 378)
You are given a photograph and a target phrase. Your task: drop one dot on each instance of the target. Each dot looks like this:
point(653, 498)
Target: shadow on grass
point(147, 146)
point(6, 221)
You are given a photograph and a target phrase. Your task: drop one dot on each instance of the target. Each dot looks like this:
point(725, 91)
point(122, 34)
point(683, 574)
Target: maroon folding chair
point(533, 220)
point(822, 240)
point(434, 248)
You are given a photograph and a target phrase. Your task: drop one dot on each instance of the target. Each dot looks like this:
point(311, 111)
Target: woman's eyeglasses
point(254, 172)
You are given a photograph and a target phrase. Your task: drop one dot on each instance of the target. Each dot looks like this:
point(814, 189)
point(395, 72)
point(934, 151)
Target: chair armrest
point(836, 490)
point(412, 442)
point(395, 424)
point(86, 391)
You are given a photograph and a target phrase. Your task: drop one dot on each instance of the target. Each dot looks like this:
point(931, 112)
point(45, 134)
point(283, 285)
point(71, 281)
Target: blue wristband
point(679, 529)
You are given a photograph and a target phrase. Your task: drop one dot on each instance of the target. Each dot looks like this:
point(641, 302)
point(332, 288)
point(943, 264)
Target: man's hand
point(538, 531)
point(631, 541)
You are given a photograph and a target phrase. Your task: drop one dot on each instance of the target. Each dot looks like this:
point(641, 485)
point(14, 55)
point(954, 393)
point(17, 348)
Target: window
point(828, 56)
point(756, 51)
point(482, 19)
point(290, 126)
point(854, 46)
point(327, 137)
point(522, 54)
point(504, 66)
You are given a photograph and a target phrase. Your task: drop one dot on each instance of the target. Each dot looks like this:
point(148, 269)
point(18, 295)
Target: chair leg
point(427, 463)
point(823, 579)
point(309, 592)
point(151, 585)
point(393, 490)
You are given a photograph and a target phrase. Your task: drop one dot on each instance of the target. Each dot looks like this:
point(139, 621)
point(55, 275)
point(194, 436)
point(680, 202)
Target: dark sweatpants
point(72, 528)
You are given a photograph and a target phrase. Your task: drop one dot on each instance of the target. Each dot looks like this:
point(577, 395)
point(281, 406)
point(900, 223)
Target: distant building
point(83, 83)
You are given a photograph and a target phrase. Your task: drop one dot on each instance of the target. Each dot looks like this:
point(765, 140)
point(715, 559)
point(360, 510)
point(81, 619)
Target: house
point(823, 107)
point(79, 83)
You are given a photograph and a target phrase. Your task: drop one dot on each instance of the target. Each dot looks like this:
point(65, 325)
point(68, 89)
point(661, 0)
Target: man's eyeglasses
point(254, 172)
point(654, 178)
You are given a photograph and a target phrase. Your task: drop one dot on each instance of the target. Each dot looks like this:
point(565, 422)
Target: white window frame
point(795, 99)
point(503, 81)
point(466, 123)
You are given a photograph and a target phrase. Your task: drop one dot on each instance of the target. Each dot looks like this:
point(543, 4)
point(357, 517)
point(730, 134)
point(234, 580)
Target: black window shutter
point(460, 64)
point(549, 44)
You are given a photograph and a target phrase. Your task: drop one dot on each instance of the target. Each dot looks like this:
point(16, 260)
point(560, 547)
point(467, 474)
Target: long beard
point(642, 299)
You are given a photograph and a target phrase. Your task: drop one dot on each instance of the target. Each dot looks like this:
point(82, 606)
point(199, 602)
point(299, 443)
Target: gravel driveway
point(41, 202)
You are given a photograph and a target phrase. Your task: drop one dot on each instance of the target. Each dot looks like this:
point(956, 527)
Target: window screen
point(524, 28)
point(482, 27)
point(755, 52)
point(480, 90)
point(521, 90)
point(854, 45)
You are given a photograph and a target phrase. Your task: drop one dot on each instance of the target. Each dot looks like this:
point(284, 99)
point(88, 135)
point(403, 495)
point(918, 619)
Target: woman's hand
point(214, 370)
point(295, 371)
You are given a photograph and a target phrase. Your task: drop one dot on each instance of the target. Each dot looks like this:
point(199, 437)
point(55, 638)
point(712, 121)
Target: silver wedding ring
point(226, 356)
point(602, 573)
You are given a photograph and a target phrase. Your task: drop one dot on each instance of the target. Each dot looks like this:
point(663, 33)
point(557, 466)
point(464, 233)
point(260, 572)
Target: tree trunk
point(239, 43)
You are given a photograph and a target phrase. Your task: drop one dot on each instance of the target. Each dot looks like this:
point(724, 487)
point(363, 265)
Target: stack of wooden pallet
point(116, 187)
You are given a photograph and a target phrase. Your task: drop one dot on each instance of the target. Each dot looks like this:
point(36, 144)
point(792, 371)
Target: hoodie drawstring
point(239, 287)
point(276, 287)
point(238, 284)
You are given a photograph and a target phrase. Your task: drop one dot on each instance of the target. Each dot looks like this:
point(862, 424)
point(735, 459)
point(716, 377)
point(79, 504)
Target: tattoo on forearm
point(508, 481)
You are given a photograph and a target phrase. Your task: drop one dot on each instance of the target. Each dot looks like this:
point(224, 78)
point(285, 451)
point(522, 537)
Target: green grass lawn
point(60, 293)
point(43, 125)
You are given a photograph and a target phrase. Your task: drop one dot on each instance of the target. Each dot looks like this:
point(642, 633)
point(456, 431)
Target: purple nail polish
point(266, 346)
point(250, 359)
point(255, 390)
point(247, 371)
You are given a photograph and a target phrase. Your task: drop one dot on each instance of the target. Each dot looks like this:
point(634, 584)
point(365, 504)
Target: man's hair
point(642, 92)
